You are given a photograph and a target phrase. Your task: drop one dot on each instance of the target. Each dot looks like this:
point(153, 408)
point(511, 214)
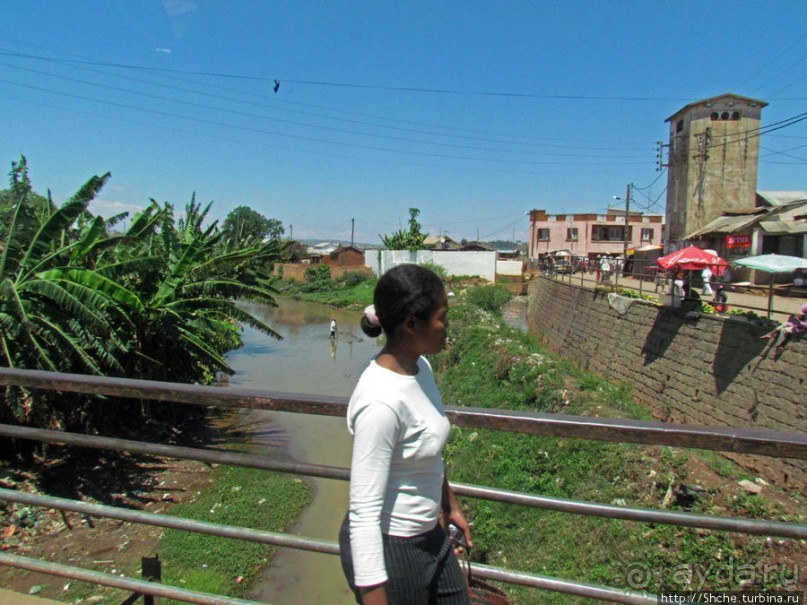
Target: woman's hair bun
point(370, 324)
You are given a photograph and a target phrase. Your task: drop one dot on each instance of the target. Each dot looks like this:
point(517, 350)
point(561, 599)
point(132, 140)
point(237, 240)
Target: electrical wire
point(501, 139)
point(325, 83)
point(757, 132)
point(305, 124)
point(298, 137)
point(769, 63)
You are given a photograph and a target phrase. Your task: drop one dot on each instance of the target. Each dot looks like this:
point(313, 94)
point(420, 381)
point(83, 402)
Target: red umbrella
point(692, 258)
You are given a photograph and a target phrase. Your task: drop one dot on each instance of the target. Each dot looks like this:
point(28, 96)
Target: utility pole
point(627, 228)
point(291, 232)
point(352, 226)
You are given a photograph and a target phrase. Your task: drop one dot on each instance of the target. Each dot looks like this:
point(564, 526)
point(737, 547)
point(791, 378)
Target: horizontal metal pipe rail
point(768, 443)
point(311, 544)
point(180, 523)
point(735, 440)
point(747, 526)
point(573, 280)
point(104, 579)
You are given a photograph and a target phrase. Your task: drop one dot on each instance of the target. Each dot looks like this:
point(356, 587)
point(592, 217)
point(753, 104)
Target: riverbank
point(190, 489)
point(490, 365)
point(487, 364)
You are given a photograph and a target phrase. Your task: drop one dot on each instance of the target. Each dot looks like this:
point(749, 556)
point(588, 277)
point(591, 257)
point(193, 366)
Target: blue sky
point(474, 112)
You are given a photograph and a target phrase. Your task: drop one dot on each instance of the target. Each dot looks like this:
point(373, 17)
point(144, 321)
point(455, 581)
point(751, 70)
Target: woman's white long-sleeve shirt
point(399, 429)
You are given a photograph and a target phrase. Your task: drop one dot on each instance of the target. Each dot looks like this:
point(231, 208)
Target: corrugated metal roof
point(783, 227)
point(726, 224)
point(783, 198)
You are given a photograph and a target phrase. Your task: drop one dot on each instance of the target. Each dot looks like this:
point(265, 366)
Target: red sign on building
point(738, 241)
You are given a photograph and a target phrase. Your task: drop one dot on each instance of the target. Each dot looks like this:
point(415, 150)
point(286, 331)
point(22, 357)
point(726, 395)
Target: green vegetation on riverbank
point(241, 497)
point(152, 299)
point(352, 290)
point(489, 365)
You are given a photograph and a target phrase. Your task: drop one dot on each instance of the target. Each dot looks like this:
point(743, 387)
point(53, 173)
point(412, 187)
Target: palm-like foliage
point(37, 305)
point(157, 301)
point(189, 317)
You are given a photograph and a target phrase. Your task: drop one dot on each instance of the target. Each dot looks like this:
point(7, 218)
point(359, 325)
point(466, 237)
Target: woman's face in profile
point(431, 333)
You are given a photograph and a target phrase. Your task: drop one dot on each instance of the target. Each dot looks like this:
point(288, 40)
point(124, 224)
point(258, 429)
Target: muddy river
point(306, 361)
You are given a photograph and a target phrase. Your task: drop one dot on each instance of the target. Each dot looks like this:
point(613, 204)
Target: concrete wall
point(510, 267)
point(712, 162)
point(707, 371)
point(481, 264)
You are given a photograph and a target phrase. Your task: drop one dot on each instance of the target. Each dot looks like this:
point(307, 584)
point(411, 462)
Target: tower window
point(735, 115)
point(724, 115)
point(679, 126)
point(715, 116)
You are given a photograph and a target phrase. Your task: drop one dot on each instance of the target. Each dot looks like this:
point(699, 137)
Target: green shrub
point(439, 269)
point(317, 277)
point(353, 279)
point(489, 298)
point(318, 273)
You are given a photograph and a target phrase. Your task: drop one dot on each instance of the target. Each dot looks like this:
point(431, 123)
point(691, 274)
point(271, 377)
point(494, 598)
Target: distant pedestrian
point(796, 325)
point(706, 274)
point(332, 335)
point(605, 268)
point(721, 299)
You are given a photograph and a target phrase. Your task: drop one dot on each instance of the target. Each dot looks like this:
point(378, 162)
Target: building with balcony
point(592, 235)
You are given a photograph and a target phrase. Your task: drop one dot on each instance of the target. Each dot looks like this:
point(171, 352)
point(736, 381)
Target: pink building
point(592, 234)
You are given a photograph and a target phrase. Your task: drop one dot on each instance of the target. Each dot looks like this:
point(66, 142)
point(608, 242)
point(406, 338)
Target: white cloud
point(166, 51)
point(108, 208)
point(179, 7)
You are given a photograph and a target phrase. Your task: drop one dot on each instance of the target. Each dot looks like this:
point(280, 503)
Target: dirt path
point(144, 483)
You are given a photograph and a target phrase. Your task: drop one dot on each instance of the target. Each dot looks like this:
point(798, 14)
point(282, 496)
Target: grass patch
point(237, 496)
point(487, 364)
point(353, 290)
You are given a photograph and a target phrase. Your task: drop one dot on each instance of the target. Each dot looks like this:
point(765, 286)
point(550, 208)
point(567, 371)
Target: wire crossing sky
point(326, 115)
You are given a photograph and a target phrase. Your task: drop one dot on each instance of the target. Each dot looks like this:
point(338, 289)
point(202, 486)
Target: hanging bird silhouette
point(277, 85)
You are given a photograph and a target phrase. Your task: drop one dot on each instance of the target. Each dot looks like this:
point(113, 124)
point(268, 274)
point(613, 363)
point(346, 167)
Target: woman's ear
point(410, 323)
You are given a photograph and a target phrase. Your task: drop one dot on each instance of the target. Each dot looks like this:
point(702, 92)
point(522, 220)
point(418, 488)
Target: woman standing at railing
point(393, 548)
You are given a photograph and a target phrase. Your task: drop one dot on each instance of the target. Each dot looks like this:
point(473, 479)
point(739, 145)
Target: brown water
point(305, 362)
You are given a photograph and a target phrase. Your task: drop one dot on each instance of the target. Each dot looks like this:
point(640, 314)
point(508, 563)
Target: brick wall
point(708, 371)
point(296, 271)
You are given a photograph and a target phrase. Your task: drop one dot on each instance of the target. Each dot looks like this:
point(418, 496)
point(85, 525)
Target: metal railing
point(745, 441)
point(644, 279)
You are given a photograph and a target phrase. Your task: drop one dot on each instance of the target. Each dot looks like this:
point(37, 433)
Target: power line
point(661, 173)
point(305, 124)
point(332, 84)
point(296, 136)
point(769, 63)
point(501, 139)
point(758, 132)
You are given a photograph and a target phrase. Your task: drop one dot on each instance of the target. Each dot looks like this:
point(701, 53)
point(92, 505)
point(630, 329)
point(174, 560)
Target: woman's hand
point(453, 514)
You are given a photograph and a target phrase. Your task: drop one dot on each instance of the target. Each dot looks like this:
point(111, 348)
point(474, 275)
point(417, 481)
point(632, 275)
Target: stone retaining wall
point(709, 371)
